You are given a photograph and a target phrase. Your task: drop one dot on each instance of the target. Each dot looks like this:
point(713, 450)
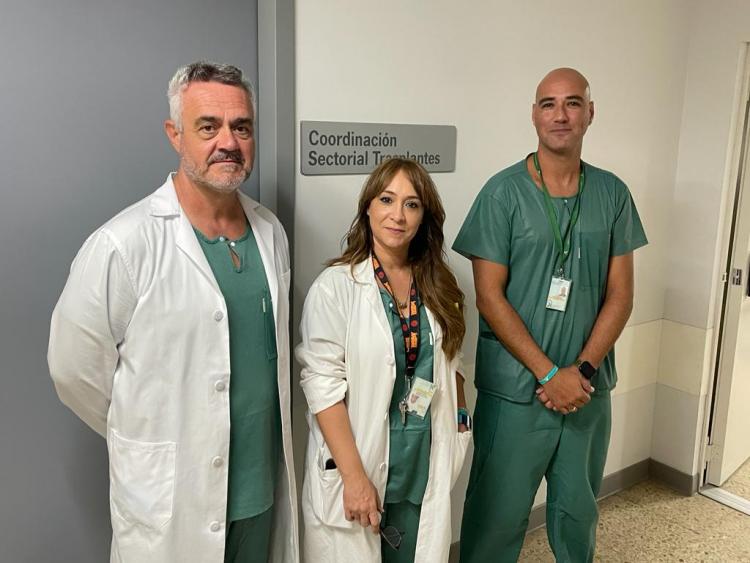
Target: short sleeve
point(486, 231)
point(627, 230)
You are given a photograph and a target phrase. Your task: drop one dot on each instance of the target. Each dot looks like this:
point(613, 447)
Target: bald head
point(562, 112)
point(569, 76)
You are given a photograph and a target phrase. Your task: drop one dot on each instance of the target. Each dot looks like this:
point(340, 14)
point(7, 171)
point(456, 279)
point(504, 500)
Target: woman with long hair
point(381, 330)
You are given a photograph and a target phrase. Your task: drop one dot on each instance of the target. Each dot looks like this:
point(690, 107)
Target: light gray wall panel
point(83, 93)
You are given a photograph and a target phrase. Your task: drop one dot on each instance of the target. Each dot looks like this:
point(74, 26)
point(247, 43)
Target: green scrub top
point(409, 451)
point(255, 436)
point(508, 225)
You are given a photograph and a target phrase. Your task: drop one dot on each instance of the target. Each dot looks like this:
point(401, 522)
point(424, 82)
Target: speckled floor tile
point(739, 483)
point(649, 523)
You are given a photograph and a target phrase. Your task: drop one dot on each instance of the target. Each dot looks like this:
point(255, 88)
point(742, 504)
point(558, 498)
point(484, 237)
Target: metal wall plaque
point(330, 147)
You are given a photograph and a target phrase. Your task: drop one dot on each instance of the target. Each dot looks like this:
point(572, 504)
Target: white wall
point(476, 66)
point(692, 255)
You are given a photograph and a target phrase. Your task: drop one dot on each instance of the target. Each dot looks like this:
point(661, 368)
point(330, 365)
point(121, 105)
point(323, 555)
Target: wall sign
point(331, 147)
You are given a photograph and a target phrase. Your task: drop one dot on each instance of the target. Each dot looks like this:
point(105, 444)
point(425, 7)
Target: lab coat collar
point(164, 203)
point(362, 273)
point(264, 237)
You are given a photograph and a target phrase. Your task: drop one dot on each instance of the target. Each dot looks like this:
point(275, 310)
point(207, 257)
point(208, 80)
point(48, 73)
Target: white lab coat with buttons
point(139, 350)
point(347, 354)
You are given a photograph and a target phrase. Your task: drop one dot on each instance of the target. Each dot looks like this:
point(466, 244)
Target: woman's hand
point(361, 502)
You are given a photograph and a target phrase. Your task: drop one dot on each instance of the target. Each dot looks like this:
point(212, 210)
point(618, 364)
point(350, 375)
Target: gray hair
point(204, 71)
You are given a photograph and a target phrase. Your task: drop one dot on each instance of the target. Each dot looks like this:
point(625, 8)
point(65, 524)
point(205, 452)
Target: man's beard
point(227, 186)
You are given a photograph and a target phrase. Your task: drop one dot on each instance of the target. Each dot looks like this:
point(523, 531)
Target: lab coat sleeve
point(322, 350)
point(88, 324)
point(458, 365)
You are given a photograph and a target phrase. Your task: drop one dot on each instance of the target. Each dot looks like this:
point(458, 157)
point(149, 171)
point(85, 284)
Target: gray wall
point(82, 84)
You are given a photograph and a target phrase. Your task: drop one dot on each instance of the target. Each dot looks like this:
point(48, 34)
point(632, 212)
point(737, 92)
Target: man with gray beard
point(171, 340)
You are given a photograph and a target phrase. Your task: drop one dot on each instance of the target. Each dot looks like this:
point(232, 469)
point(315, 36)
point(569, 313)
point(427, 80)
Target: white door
point(729, 436)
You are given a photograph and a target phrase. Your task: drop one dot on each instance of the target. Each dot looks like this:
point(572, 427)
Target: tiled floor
point(649, 523)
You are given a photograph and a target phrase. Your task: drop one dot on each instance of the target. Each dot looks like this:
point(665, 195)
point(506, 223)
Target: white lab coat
point(139, 350)
point(347, 353)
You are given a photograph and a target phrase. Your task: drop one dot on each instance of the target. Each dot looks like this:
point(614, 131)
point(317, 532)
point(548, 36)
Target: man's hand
point(566, 392)
point(361, 502)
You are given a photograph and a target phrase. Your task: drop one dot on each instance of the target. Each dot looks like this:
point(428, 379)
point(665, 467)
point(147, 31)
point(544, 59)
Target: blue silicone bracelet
point(550, 374)
point(464, 417)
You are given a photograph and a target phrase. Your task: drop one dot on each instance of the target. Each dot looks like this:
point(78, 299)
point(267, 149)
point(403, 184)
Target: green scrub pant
point(515, 444)
point(405, 517)
point(248, 540)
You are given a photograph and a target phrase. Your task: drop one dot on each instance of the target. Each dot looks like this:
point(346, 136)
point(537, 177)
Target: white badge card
point(559, 291)
point(420, 396)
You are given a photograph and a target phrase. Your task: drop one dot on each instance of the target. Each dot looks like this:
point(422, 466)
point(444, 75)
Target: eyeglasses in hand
point(392, 536)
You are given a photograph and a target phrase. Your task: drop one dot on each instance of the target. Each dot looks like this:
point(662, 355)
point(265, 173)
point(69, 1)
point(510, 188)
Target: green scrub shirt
point(508, 225)
point(409, 452)
point(255, 436)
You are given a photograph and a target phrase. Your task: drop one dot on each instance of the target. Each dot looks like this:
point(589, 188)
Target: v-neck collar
point(221, 238)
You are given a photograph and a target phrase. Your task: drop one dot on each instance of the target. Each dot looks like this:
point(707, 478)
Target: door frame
point(276, 110)
point(738, 154)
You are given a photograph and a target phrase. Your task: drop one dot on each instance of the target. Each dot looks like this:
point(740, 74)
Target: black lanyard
point(562, 241)
point(409, 325)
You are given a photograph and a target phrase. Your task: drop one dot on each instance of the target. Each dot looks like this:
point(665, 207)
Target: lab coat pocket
point(328, 497)
point(142, 476)
point(460, 446)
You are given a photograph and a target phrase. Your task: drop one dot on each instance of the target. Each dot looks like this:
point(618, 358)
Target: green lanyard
point(562, 241)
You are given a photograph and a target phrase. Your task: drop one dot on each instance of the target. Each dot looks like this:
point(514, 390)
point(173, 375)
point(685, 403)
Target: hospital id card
point(420, 396)
point(559, 291)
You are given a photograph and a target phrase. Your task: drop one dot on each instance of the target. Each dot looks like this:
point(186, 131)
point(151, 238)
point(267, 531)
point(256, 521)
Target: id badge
point(559, 291)
point(420, 396)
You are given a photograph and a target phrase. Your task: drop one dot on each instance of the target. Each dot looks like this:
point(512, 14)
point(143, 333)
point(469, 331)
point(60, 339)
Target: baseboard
point(625, 478)
point(681, 482)
point(611, 484)
point(615, 482)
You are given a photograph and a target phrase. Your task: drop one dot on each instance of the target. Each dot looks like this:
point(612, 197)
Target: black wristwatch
point(587, 370)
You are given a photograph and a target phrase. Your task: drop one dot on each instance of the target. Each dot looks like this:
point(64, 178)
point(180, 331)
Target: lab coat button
point(215, 526)
point(218, 315)
point(383, 466)
point(220, 385)
point(389, 361)
point(217, 461)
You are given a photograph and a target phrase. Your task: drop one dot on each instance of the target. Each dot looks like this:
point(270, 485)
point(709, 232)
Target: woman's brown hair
point(437, 285)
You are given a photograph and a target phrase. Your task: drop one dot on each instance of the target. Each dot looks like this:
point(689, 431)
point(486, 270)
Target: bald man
point(551, 240)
